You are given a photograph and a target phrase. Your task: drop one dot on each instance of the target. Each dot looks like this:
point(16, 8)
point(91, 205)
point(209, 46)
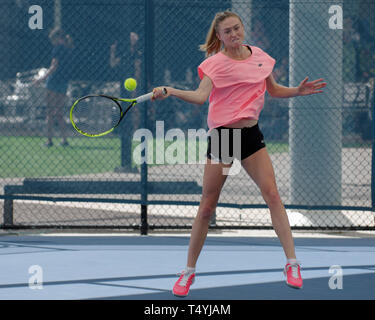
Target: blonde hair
point(213, 44)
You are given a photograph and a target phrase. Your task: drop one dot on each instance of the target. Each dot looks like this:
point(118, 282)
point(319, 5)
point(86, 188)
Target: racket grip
point(148, 96)
point(145, 97)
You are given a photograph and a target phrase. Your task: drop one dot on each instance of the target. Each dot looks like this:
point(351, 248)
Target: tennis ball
point(130, 84)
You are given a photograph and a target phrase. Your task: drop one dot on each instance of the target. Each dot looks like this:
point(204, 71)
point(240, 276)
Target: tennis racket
point(98, 115)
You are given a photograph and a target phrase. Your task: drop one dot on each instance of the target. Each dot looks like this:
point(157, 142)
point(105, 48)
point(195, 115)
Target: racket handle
point(148, 96)
point(145, 97)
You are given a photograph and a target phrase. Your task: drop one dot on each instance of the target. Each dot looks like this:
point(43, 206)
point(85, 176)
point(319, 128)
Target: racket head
point(96, 115)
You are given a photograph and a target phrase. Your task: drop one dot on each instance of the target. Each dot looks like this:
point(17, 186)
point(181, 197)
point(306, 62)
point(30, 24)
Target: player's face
point(231, 32)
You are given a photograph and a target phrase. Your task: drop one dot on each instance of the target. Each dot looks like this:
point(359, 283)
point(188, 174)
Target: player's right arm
point(51, 69)
point(198, 96)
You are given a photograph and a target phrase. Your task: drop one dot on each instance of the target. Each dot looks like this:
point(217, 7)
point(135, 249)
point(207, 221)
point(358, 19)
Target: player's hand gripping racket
point(98, 115)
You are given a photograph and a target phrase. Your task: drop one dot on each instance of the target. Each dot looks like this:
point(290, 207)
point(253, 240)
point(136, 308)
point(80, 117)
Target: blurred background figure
point(57, 76)
point(258, 35)
point(125, 61)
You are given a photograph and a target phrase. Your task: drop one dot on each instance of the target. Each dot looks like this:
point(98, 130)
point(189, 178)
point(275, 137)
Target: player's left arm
point(305, 88)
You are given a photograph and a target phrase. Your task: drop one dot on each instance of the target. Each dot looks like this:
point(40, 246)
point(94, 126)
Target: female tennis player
point(235, 77)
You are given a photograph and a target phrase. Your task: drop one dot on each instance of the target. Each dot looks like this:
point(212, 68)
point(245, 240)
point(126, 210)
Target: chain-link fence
point(148, 173)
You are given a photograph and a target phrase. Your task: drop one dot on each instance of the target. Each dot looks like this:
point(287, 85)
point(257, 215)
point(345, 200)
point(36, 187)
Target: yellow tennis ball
point(130, 84)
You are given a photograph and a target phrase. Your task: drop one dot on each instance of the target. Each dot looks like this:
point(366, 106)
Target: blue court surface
point(60, 267)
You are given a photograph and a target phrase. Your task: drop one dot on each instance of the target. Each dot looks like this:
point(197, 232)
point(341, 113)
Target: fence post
point(373, 148)
point(213, 219)
point(373, 144)
point(315, 137)
point(149, 79)
point(8, 211)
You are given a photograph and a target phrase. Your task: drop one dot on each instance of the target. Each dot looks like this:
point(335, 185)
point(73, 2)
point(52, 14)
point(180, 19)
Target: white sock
point(292, 261)
point(189, 270)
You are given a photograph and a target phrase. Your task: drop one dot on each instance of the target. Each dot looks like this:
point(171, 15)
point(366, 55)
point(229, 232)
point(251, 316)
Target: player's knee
point(205, 212)
point(271, 195)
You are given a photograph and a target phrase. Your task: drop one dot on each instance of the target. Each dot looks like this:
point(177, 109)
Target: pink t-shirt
point(239, 86)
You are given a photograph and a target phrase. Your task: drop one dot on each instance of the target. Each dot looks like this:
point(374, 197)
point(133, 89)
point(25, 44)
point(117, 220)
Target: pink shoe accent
point(293, 275)
point(182, 285)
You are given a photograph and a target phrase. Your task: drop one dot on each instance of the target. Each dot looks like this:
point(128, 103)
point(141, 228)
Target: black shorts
point(225, 144)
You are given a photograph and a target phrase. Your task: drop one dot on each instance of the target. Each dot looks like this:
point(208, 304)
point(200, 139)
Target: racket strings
point(96, 115)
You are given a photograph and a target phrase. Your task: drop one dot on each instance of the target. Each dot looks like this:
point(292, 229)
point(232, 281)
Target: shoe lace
point(184, 279)
point(294, 268)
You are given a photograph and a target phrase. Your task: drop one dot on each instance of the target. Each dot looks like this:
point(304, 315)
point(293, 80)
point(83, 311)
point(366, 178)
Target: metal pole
point(373, 149)
point(315, 136)
point(373, 140)
point(57, 13)
point(149, 78)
